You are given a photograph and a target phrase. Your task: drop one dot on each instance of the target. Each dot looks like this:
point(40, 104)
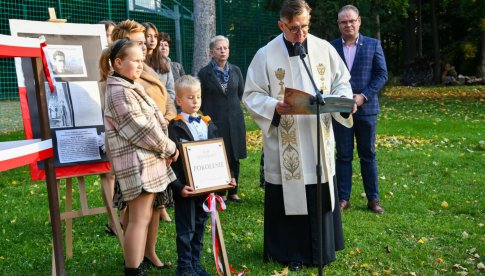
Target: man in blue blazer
point(365, 60)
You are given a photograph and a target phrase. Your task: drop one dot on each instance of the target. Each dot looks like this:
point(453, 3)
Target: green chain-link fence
point(244, 22)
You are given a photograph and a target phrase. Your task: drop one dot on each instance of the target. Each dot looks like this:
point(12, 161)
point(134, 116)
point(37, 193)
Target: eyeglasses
point(296, 29)
point(351, 21)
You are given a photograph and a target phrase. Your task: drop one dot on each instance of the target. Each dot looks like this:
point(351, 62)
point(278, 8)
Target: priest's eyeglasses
point(296, 29)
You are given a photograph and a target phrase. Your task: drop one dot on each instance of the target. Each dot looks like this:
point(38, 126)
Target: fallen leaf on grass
point(422, 240)
point(459, 267)
point(465, 234)
point(438, 261)
point(444, 204)
point(281, 273)
point(481, 266)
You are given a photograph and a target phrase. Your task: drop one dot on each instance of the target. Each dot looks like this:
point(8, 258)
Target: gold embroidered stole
point(292, 174)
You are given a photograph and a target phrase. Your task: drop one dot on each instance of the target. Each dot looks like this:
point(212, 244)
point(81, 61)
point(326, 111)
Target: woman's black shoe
point(139, 271)
point(147, 263)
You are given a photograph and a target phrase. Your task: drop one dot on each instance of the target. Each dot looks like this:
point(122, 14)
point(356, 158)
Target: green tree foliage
point(406, 31)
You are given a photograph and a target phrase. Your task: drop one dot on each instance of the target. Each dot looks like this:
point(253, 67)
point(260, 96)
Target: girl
point(141, 151)
point(156, 60)
point(161, 64)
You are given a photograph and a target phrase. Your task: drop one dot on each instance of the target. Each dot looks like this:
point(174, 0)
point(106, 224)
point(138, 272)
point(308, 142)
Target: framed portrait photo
point(206, 166)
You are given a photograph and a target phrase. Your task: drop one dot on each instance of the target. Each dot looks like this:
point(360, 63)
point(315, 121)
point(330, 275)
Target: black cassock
point(295, 238)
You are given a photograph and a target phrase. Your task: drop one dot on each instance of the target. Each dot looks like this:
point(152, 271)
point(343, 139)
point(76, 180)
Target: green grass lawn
point(431, 157)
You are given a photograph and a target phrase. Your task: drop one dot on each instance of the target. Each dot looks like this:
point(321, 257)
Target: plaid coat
point(138, 139)
point(369, 72)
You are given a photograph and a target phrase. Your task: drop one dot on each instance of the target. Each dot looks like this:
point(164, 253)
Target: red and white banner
point(18, 153)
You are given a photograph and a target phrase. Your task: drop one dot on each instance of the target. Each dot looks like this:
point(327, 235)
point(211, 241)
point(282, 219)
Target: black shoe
point(147, 263)
point(295, 266)
point(199, 269)
point(234, 199)
point(139, 271)
point(109, 230)
point(186, 272)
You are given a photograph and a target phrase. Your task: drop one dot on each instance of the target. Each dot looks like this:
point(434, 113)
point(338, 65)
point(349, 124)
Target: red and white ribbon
point(210, 206)
point(45, 61)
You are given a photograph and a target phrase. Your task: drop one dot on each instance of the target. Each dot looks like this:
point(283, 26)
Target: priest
point(289, 141)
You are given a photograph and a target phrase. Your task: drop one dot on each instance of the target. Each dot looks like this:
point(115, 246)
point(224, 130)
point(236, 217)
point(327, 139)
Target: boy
point(190, 217)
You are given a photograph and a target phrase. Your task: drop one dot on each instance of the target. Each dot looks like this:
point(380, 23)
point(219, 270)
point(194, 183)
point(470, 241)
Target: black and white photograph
point(66, 60)
point(72, 53)
point(59, 106)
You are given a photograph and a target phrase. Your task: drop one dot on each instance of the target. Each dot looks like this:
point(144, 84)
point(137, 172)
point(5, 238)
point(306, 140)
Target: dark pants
point(190, 220)
point(364, 130)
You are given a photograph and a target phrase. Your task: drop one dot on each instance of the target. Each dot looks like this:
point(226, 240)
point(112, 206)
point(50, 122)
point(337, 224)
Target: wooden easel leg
point(53, 262)
point(82, 196)
point(220, 238)
point(69, 220)
point(108, 203)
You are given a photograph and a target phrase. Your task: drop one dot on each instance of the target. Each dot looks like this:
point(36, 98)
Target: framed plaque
point(206, 166)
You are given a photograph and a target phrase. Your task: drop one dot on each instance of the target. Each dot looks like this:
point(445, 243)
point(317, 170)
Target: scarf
point(221, 74)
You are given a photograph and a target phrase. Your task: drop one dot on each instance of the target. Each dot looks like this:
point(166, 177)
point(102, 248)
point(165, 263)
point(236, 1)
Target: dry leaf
point(438, 261)
point(481, 266)
point(444, 204)
point(465, 234)
point(281, 273)
point(422, 240)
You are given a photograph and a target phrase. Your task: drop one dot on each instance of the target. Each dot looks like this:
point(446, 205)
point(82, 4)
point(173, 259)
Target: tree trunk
point(204, 30)
point(420, 28)
point(375, 5)
point(436, 43)
point(409, 37)
point(482, 64)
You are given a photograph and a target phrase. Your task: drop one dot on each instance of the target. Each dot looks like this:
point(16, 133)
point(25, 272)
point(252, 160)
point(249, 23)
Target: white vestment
point(270, 71)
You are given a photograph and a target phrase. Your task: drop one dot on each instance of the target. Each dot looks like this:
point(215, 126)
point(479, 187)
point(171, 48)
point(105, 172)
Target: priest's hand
point(359, 99)
point(354, 108)
point(283, 108)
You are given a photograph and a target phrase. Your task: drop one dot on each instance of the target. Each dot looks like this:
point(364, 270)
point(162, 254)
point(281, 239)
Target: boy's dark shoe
point(185, 271)
point(199, 269)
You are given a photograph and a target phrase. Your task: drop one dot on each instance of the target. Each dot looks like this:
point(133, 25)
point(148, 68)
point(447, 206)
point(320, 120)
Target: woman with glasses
point(222, 89)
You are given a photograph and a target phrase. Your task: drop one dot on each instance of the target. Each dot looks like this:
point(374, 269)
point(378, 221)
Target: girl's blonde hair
point(117, 49)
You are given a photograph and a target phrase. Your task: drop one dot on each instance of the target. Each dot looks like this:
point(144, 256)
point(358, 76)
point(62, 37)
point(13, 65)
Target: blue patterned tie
point(192, 118)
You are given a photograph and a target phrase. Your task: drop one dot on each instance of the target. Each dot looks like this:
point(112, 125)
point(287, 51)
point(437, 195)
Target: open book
point(301, 102)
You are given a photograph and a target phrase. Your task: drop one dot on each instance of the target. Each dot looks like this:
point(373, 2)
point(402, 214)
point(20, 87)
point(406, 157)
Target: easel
point(70, 214)
point(220, 239)
point(26, 47)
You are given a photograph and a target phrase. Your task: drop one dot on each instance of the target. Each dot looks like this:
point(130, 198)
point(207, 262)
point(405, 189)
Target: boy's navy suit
point(190, 217)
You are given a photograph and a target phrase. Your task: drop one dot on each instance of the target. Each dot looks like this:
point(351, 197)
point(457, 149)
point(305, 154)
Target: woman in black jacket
point(222, 90)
